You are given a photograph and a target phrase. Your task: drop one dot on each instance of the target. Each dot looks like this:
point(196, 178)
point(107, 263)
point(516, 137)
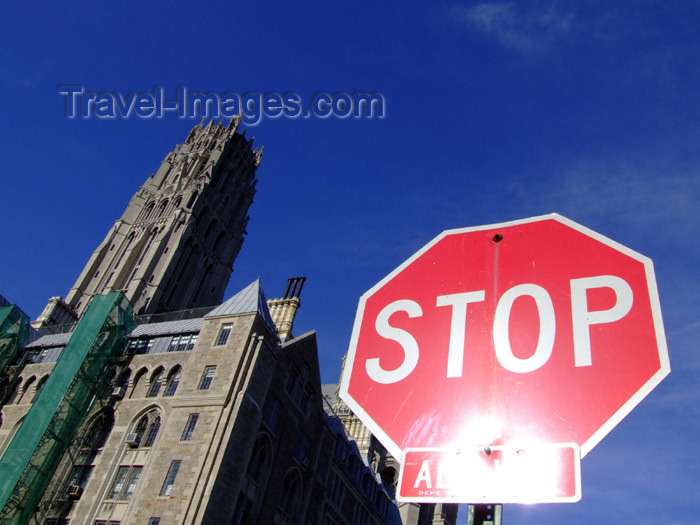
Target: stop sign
point(537, 331)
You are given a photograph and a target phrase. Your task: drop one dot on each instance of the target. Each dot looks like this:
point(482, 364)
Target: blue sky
point(495, 111)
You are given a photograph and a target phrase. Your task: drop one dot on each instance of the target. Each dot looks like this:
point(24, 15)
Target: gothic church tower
point(174, 246)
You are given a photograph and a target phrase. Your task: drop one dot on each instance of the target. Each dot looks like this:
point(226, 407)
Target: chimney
point(283, 310)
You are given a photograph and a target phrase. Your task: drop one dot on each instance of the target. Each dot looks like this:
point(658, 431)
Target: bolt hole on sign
point(529, 339)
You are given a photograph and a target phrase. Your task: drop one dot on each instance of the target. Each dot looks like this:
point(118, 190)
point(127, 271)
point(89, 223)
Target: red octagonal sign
point(493, 344)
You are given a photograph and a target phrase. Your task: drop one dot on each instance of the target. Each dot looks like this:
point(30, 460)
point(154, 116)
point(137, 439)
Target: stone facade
point(262, 450)
point(384, 464)
point(210, 415)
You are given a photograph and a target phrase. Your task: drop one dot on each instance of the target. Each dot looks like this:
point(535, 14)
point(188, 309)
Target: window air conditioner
point(75, 491)
point(118, 392)
point(132, 439)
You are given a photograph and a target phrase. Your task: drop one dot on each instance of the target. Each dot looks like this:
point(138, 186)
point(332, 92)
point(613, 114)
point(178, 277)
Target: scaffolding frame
point(14, 332)
point(37, 447)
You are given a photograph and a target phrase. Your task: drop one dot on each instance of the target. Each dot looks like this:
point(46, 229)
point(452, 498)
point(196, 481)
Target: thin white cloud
point(514, 26)
point(620, 194)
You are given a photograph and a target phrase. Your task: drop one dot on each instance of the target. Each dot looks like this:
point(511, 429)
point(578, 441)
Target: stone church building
point(146, 398)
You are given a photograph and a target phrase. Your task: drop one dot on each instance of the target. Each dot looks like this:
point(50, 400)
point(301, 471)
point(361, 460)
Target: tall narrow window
point(272, 412)
point(118, 484)
point(99, 431)
point(137, 378)
point(240, 516)
point(27, 385)
point(192, 200)
point(223, 334)
point(124, 483)
point(142, 427)
point(147, 429)
point(156, 383)
point(14, 390)
point(306, 395)
point(123, 381)
point(172, 382)
point(289, 497)
point(170, 478)
point(259, 460)
point(39, 386)
point(79, 478)
point(207, 377)
point(131, 483)
point(292, 386)
point(337, 492)
point(152, 433)
point(189, 427)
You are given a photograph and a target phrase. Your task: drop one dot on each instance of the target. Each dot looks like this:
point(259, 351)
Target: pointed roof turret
point(249, 300)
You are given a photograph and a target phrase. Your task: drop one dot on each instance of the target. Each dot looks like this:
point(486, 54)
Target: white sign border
point(624, 410)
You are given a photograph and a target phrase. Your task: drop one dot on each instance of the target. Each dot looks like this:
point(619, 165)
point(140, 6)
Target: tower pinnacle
point(174, 246)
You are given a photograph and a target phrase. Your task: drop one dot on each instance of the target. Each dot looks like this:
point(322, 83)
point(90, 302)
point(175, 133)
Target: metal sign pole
point(484, 514)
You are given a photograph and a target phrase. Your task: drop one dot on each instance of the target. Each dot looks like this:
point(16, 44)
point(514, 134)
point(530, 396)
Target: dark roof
point(50, 341)
point(169, 327)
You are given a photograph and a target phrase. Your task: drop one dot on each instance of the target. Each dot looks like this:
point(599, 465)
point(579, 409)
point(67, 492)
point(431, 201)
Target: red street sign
point(549, 473)
point(522, 334)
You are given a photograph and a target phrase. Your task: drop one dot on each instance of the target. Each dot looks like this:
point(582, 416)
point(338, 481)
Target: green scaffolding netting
point(14, 330)
point(33, 454)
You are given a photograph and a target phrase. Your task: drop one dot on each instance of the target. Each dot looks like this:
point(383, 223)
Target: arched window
point(147, 210)
point(39, 386)
point(173, 381)
point(290, 495)
point(152, 431)
point(156, 382)
point(25, 389)
point(163, 206)
point(123, 381)
point(137, 378)
point(147, 428)
point(14, 390)
point(259, 459)
point(192, 200)
point(100, 430)
point(142, 426)
point(144, 251)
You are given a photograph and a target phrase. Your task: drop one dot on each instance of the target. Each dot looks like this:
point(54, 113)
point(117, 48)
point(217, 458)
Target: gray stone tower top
point(174, 246)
